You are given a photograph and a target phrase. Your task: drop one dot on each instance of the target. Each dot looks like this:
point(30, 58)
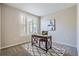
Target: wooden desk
point(46, 37)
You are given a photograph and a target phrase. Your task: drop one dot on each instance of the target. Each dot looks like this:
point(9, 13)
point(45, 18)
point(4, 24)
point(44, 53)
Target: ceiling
point(40, 9)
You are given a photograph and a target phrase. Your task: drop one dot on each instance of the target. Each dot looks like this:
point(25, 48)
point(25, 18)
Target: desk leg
point(51, 42)
point(46, 46)
point(32, 40)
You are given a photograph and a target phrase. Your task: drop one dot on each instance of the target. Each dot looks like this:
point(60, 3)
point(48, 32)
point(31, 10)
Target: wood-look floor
point(20, 51)
point(69, 51)
point(14, 51)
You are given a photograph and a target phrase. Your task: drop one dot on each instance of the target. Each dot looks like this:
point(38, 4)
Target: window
point(23, 25)
point(32, 26)
point(29, 25)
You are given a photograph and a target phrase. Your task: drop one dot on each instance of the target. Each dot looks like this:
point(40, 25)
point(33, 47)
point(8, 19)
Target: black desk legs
point(32, 40)
point(47, 42)
point(39, 43)
point(50, 42)
point(46, 46)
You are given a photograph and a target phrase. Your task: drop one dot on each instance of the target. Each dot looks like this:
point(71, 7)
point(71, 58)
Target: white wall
point(78, 28)
point(65, 26)
point(11, 26)
point(0, 26)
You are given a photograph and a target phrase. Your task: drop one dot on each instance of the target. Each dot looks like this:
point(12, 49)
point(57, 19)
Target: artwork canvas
point(51, 25)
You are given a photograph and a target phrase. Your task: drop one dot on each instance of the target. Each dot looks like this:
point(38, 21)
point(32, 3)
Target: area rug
point(36, 51)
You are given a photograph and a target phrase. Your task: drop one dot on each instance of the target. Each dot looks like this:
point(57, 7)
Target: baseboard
point(13, 45)
point(65, 44)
